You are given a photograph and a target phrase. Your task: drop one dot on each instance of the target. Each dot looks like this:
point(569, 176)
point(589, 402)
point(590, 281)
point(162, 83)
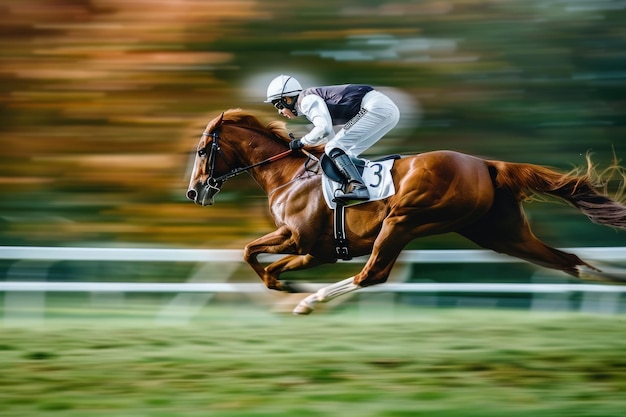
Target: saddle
point(332, 173)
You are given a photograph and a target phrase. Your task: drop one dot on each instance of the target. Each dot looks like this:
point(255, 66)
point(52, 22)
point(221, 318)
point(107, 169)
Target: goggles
point(279, 104)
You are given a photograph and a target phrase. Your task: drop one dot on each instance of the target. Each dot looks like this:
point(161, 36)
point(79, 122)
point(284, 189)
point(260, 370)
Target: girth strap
point(341, 240)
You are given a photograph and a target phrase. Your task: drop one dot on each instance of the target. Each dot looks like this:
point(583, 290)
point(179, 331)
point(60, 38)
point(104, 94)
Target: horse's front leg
point(279, 241)
point(295, 263)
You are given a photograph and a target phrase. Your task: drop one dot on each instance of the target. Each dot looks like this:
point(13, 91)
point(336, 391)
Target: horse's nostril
point(192, 194)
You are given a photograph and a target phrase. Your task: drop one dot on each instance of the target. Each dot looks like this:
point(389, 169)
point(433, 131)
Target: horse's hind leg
point(307, 305)
point(390, 241)
point(505, 229)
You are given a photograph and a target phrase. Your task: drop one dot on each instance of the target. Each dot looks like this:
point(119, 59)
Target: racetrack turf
point(230, 362)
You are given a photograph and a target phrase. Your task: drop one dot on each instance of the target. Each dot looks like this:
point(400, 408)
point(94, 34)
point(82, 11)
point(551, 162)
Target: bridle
point(215, 183)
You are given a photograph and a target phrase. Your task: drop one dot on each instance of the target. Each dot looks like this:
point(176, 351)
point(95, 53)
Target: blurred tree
point(103, 100)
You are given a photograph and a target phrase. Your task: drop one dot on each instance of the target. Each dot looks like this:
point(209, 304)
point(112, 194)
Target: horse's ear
point(220, 121)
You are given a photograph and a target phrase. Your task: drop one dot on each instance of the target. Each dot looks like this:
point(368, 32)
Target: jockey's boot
point(345, 165)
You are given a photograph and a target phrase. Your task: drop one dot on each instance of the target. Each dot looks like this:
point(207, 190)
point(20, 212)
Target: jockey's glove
point(296, 145)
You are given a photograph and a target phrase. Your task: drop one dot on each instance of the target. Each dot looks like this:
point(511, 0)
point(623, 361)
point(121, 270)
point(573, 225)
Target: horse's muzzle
point(202, 195)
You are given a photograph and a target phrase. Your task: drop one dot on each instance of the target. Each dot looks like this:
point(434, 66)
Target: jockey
point(365, 114)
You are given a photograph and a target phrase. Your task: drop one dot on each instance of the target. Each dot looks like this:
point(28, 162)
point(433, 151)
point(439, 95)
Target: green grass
point(231, 362)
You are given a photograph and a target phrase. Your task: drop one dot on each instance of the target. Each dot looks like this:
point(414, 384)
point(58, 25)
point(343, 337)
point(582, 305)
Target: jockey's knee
point(335, 150)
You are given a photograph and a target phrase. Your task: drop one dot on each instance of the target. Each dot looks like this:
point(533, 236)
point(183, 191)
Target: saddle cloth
point(376, 176)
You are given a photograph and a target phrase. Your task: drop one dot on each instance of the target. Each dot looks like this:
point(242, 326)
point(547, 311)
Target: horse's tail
point(580, 190)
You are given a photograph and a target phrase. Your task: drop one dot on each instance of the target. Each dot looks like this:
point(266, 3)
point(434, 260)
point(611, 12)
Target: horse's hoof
point(302, 311)
point(303, 308)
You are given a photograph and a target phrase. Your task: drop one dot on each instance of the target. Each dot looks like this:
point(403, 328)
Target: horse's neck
point(270, 175)
point(277, 174)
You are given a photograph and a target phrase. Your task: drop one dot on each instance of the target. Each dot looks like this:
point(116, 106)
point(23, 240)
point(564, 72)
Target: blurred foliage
point(102, 101)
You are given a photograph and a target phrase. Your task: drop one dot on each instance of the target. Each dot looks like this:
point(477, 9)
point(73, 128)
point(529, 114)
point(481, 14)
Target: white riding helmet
point(283, 86)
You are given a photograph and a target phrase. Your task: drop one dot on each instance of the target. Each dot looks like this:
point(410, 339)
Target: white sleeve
point(314, 108)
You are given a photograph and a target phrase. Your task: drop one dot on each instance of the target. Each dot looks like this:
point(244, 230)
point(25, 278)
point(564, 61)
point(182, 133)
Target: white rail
point(222, 287)
point(26, 281)
point(235, 255)
point(21, 253)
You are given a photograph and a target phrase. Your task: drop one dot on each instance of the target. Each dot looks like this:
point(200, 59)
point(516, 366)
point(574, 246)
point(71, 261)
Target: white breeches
point(361, 132)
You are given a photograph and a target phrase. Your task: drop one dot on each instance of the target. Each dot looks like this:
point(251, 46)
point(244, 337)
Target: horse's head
point(209, 166)
point(232, 143)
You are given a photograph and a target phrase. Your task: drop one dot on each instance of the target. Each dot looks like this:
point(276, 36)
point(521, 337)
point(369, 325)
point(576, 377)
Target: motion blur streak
point(103, 100)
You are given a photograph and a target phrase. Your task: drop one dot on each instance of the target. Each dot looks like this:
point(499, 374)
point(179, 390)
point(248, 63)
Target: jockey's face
point(283, 110)
point(286, 113)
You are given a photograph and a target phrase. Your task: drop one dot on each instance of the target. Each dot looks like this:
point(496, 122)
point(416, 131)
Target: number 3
point(378, 169)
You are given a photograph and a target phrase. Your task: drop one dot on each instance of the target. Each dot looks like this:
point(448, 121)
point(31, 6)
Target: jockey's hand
point(295, 145)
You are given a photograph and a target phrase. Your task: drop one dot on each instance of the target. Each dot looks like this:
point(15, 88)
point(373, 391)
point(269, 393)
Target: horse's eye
point(201, 152)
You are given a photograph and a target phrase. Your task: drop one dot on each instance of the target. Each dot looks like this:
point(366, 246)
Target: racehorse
point(436, 192)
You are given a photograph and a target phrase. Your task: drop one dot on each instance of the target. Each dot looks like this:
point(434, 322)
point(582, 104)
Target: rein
point(215, 149)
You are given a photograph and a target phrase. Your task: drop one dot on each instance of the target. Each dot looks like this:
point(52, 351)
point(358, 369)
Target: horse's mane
point(240, 117)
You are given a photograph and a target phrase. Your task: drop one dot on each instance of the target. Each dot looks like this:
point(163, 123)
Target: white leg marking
point(307, 305)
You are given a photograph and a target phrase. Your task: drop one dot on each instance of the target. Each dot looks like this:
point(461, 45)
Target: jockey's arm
point(314, 108)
